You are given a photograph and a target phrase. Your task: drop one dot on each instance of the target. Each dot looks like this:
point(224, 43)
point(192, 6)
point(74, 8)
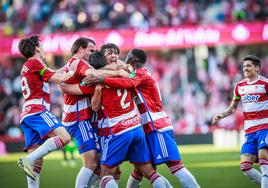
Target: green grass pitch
point(212, 167)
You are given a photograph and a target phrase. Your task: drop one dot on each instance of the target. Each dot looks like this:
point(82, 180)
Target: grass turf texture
point(212, 167)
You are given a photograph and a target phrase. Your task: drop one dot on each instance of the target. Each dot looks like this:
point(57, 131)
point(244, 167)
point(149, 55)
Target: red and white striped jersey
point(76, 107)
point(119, 112)
point(35, 87)
point(149, 103)
point(254, 97)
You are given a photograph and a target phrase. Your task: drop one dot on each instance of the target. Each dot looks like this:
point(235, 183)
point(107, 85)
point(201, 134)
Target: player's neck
point(78, 56)
point(253, 78)
point(36, 56)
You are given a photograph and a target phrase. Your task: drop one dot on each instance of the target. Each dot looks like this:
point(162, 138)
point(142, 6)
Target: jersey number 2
point(123, 104)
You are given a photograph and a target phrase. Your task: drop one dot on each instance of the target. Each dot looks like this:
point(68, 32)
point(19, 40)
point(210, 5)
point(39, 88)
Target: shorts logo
point(266, 139)
point(250, 98)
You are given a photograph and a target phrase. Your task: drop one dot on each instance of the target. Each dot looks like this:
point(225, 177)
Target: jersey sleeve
point(124, 83)
point(236, 95)
point(87, 89)
point(82, 68)
point(42, 70)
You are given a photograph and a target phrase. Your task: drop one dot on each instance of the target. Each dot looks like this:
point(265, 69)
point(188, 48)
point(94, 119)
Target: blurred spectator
point(48, 16)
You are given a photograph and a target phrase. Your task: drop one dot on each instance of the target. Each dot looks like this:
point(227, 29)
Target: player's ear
point(37, 49)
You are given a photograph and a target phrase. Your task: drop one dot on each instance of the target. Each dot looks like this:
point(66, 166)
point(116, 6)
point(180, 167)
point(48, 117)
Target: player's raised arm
point(76, 89)
point(58, 77)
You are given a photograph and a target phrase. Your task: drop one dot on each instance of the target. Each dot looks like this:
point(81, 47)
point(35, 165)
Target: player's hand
point(92, 79)
point(99, 87)
point(216, 119)
point(123, 73)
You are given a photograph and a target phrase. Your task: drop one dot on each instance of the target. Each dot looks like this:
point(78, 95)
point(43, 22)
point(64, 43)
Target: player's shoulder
point(263, 79)
point(32, 63)
point(242, 82)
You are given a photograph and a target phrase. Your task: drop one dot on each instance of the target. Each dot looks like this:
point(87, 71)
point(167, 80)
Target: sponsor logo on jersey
point(250, 98)
point(131, 121)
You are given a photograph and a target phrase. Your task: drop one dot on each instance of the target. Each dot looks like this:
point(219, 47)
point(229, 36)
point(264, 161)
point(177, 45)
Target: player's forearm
point(96, 100)
point(123, 83)
point(58, 78)
point(71, 89)
point(231, 109)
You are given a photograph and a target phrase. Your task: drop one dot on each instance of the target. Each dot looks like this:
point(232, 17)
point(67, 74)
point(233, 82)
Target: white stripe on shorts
point(47, 119)
point(162, 145)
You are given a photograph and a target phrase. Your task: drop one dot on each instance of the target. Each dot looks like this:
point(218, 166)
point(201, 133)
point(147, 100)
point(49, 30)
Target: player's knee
point(245, 166)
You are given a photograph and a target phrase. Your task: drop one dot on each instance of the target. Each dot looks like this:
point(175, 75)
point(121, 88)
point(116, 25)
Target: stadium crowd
point(191, 88)
point(40, 16)
point(196, 84)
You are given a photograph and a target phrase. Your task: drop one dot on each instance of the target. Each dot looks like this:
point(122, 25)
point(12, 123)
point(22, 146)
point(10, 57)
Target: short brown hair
point(27, 46)
point(254, 59)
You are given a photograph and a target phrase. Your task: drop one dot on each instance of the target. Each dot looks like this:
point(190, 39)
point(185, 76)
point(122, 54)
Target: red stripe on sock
point(137, 175)
point(175, 167)
point(105, 180)
point(246, 165)
point(263, 161)
point(153, 177)
point(58, 142)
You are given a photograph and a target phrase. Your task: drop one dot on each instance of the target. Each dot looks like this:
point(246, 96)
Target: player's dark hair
point(27, 46)
point(254, 59)
point(137, 57)
point(97, 60)
point(81, 42)
point(109, 46)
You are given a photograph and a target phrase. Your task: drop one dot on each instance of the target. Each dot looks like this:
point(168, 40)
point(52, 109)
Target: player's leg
point(262, 136)
point(32, 142)
point(107, 174)
point(37, 170)
point(164, 149)
point(263, 161)
point(185, 177)
point(134, 179)
point(143, 162)
point(47, 125)
point(90, 161)
point(248, 157)
point(114, 150)
point(82, 133)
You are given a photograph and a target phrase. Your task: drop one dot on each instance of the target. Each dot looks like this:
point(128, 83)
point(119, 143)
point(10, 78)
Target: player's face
point(250, 70)
point(111, 56)
point(41, 52)
point(88, 51)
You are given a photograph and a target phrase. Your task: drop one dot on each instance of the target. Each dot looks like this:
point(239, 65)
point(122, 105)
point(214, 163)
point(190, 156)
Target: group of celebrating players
point(113, 110)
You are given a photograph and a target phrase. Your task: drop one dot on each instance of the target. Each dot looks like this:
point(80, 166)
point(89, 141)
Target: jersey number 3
point(25, 88)
point(123, 103)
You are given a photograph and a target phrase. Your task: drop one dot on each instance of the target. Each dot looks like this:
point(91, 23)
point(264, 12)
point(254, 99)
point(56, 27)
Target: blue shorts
point(37, 127)
point(254, 142)
point(84, 136)
point(163, 147)
point(130, 145)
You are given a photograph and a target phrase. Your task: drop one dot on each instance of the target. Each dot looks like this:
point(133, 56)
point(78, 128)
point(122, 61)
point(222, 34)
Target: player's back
point(35, 87)
point(150, 103)
point(76, 107)
point(118, 109)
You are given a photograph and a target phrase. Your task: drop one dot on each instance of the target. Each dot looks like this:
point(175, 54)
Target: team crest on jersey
point(250, 98)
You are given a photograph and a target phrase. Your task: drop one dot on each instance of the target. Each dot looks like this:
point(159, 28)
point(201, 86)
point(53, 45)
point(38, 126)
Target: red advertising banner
point(175, 37)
